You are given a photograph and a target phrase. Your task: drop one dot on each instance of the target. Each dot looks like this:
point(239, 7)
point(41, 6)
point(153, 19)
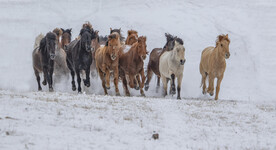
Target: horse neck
point(134, 52)
point(218, 57)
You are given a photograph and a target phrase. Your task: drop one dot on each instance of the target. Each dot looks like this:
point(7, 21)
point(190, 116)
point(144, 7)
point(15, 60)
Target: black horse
point(79, 57)
point(43, 59)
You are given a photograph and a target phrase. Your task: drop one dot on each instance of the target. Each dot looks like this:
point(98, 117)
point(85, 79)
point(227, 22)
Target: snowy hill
point(247, 105)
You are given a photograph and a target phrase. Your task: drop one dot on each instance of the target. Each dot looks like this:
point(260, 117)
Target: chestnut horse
point(131, 65)
point(107, 60)
point(153, 65)
point(132, 37)
point(213, 64)
point(43, 59)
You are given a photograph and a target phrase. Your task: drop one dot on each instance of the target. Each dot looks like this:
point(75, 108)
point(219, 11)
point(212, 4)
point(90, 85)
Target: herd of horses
point(113, 57)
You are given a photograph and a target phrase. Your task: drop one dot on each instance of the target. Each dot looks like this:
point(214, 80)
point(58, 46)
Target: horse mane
point(131, 32)
point(122, 38)
point(58, 31)
point(87, 25)
point(170, 40)
point(221, 38)
point(50, 36)
point(103, 38)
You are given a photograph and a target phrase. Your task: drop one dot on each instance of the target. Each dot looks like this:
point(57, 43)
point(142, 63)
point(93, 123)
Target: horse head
point(95, 41)
point(113, 45)
point(142, 47)
point(119, 32)
point(222, 43)
point(86, 37)
point(65, 37)
point(179, 51)
point(132, 37)
point(51, 44)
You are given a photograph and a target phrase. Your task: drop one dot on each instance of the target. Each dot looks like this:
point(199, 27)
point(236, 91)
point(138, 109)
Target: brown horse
point(131, 65)
point(132, 37)
point(153, 65)
point(61, 68)
point(107, 60)
point(213, 64)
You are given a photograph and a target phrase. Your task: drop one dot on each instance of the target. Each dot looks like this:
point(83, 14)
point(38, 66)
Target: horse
point(61, 68)
point(213, 64)
point(132, 37)
point(107, 61)
point(43, 59)
point(66, 37)
point(131, 65)
point(153, 64)
point(171, 66)
point(78, 57)
point(122, 38)
point(95, 44)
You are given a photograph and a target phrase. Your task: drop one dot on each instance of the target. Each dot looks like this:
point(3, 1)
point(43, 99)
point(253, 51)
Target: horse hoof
point(118, 94)
point(127, 94)
point(143, 94)
point(172, 92)
point(211, 94)
point(137, 88)
point(178, 97)
point(74, 88)
point(216, 98)
point(146, 87)
point(44, 83)
point(51, 90)
point(40, 89)
point(203, 92)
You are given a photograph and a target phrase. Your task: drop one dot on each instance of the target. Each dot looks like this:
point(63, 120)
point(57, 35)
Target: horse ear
point(226, 35)
point(70, 30)
point(110, 29)
point(62, 30)
point(128, 32)
point(220, 38)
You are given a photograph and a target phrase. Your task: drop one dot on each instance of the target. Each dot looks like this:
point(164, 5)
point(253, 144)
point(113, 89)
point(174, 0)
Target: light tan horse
point(132, 37)
point(213, 64)
point(107, 61)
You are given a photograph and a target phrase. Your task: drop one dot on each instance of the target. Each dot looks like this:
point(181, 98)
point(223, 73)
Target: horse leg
point(44, 82)
point(51, 71)
point(131, 80)
point(107, 79)
point(87, 80)
point(179, 81)
point(141, 84)
point(136, 82)
point(46, 75)
point(78, 80)
point(37, 79)
point(103, 81)
point(72, 75)
point(172, 89)
point(158, 84)
point(149, 76)
point(203, 82)
point(116, 80)
point(125, 86)
point(165, 82)
point(218, 86)
point(210, 89)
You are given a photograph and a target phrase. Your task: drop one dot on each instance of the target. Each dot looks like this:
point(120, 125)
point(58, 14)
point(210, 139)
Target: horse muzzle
point(52, 56)
point(182, 61)
point(113, 57)
point(227, 55)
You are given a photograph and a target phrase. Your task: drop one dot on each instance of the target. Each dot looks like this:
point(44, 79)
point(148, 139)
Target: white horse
point(171, 66)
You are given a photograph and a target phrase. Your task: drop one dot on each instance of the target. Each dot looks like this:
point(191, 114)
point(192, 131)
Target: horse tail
point(37, 40)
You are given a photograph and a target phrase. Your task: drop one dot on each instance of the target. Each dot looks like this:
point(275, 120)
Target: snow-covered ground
point(243, 117)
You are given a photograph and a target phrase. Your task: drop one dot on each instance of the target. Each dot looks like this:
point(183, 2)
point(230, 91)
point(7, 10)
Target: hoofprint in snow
point(42, 120)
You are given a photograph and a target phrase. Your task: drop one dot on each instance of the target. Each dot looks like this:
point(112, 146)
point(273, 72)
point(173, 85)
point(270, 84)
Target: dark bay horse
point(79, 57)
point(131, 65)
point(153, 65)
point(66, 37)
point(43, 59)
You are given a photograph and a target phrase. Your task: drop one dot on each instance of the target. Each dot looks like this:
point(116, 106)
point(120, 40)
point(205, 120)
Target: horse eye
point(221, 45)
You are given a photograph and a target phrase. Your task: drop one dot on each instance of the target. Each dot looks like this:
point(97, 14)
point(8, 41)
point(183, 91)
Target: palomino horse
point(43, 59)
point(213, 64)
point(79, 57)
point(61, 68)
point(107, 60)
point(171, 66)
point(131, 65)
point(153, 65)
point(132, 37)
